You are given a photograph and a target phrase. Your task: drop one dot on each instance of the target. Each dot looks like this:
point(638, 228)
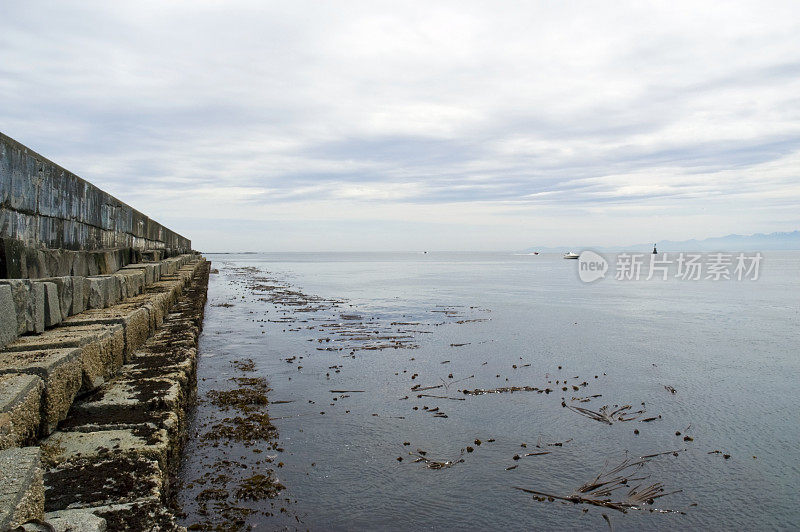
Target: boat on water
point(571, 255)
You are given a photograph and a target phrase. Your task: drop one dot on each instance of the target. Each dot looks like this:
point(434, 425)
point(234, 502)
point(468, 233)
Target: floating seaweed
point(440, 397)
point(618, 488)
point(246, 365)
point(623, 413)
point(540, 444)
point(436, 464)
point(507, 389)
point(259, 487)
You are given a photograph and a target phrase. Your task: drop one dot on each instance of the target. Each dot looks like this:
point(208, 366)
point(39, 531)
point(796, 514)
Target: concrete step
point(38, 304)
point(20, 409)
point(60, 373)
point(21, 486)
point(102, 349)
point(128, 433)
point(132, 428)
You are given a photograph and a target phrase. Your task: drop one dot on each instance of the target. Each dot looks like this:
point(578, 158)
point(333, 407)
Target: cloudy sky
point(417, 125)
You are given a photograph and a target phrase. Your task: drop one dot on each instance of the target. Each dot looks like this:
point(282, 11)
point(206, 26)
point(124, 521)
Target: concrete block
point(92, 266)
point(147, 271)
point(109, 263)
point(20, 294)
point(64, 259)
point(80, 294)
point(80, 266)
point(134, 281)
point(142, 441)
point(21, 487)
point(82, 483)
point(143, 514)
point(157, 304)
point(125, 288)
point(102, 349)
point(9, 327)
point(122, 286)
point(14, 264)
point(36, 263)
point(99, 291)
point(61, 372)
point(52, 305)
point(150, 272)
point(108, 418)
point(6, 169)
point(128, 403)
point(180, 366)
point(65, 286)
point(171, 266)
point(20, 409)
point(115, 290)
point(155, 255)
point(134, 318)
point(170, 287)
point(123, 394)
point(75, 521)
point(36, 319)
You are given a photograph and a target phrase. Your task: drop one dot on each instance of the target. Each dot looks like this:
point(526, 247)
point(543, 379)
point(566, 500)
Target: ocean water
point(483, 321)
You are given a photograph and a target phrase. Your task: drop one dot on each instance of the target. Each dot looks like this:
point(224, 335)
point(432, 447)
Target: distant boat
point(571, 255)
point(535, 252)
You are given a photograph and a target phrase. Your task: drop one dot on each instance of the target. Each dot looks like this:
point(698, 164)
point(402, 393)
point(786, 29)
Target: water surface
point(729, 349)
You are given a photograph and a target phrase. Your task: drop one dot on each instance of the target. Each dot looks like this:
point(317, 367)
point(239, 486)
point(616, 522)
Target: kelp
point(620, 414)
point(620, 488)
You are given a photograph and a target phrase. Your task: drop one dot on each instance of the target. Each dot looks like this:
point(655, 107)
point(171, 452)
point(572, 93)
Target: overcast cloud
point(417, 125)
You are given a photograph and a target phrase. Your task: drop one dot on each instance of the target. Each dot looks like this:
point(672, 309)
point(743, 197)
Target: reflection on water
point(418, 391)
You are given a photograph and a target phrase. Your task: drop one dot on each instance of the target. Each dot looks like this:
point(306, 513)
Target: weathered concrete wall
point(45, 207)
point(103, 306)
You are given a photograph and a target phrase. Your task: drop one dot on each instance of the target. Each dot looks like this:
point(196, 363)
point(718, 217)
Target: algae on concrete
point(20, 409)
point(21, 486)
point(59, 369)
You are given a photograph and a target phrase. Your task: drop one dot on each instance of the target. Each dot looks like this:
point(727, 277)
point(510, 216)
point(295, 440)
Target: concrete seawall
point(100, 313)
point(54, 223)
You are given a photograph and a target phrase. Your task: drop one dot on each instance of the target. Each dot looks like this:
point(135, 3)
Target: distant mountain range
point(756, 242)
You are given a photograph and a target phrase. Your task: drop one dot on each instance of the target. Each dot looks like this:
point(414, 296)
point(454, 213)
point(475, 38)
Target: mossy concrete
point(61, 372)
point(133, 316)
point(21, 487)
point(20, 409)
point(75, 521)
point(130, 431)
point(74, 482)
point(143, 441)
point(102, 349)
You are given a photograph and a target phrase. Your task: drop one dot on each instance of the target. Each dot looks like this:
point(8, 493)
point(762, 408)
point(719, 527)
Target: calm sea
point(481, 321)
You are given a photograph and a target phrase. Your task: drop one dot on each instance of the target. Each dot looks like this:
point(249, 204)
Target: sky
point(402, 125)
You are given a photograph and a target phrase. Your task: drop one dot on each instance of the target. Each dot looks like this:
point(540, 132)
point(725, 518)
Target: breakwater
point(100, 311)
